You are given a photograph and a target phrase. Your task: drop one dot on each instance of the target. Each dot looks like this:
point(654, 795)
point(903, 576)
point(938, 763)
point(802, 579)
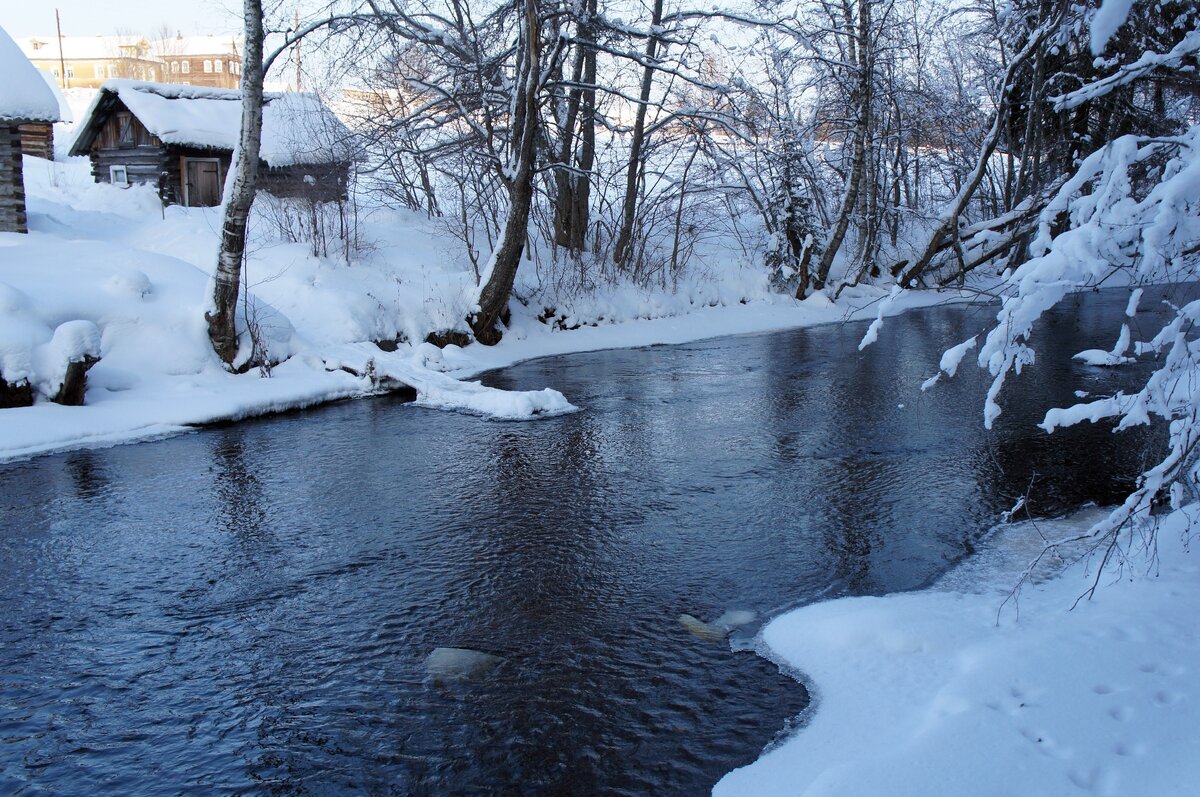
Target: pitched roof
point(85, 48)
point(297, 128)
point(24, 95)
point(199, 45)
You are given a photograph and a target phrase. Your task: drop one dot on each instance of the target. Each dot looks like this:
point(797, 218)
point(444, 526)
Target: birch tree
point(239, 193)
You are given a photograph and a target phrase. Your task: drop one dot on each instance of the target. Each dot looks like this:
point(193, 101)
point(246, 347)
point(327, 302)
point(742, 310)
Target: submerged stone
point(735, 618)
point(697, 627)
point(720, 628)
point(460, 664)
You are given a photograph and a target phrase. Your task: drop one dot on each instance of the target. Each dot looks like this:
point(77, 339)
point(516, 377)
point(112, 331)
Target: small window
point(112, 70)
point(208, 66)
point(98, 70)
point(186, 67)
point(174, 67)
point(119, 176)
point(219, 65)
point(70, 71)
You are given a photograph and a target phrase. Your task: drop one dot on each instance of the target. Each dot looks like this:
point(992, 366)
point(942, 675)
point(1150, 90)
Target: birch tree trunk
point(239, 194)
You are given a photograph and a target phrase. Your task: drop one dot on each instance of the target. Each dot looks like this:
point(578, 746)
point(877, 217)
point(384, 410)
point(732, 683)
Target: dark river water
point(249, 609)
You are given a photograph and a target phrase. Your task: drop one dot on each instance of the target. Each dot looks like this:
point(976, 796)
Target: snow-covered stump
point(65, 361)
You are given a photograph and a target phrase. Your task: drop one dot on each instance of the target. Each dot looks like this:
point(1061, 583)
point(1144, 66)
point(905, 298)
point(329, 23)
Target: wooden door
point(202, 178)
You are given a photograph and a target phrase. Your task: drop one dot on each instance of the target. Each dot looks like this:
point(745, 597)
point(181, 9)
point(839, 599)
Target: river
point(250, 608)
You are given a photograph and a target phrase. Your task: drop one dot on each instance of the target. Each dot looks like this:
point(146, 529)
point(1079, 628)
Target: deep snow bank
point(927, 694)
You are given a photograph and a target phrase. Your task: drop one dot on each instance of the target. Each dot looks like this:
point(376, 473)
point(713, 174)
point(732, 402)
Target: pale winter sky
point(90, 18)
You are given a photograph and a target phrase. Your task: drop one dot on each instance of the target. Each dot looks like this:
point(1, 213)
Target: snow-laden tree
point(1128, 213)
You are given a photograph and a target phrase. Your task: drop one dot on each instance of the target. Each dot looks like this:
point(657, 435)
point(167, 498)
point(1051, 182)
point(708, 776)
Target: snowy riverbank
point(112, 257)
point(936, 693)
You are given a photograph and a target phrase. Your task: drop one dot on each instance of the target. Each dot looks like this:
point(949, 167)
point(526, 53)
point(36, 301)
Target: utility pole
point(62, 62)
point(299, 86)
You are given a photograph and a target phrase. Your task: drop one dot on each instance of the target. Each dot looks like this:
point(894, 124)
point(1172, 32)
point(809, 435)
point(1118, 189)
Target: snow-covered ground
point(953, 691)
point(113, 257)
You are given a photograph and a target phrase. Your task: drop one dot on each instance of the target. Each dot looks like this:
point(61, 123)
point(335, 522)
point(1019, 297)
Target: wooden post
point(62, 62)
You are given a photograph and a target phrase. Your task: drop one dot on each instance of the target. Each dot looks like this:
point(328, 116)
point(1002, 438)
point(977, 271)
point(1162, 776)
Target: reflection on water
point(252, 608)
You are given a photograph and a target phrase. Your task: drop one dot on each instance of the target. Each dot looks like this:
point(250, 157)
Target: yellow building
point(214, 61)
point(88, 61)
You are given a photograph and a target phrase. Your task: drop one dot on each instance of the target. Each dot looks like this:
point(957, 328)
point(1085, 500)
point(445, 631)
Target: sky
point(90, 18)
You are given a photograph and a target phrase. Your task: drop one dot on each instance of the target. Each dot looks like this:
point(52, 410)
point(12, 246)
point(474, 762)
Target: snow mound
point(939, 692)
point(73, 342)
point(437, 390)
point(1099, 357)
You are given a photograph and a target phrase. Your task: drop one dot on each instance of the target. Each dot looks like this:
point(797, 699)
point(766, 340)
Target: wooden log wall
point(37, 140)
point(12, 182)
point(144, 164)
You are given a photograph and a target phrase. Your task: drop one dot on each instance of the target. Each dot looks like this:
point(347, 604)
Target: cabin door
point(201, 182)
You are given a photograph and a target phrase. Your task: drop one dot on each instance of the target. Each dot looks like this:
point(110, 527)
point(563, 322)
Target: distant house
point(181, 138)
point(25, 99)
point(88, 61)
point(214, 61)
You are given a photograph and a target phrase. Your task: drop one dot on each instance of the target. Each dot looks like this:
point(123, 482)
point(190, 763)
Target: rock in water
point(459, 664)
point(735, 618)
point(698, 627)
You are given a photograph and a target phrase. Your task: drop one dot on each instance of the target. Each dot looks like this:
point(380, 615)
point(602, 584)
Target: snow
point(951, 359)
point(113, 257)
point(1109, 17)
point(24, 95)
point(297, 127)
point(953, 690)
point(103, 48)
point(229, 44)
point(1101, 358)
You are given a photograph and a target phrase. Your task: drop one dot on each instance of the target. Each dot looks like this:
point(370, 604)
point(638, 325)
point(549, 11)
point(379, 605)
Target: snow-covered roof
point(199, 45)
point(297, 128)
point(83, 48)
point(76, 48)
point(24, 95)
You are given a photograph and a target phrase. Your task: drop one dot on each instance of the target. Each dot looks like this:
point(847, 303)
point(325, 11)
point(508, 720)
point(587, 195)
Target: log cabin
point(180, 139)
point(25, 99)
